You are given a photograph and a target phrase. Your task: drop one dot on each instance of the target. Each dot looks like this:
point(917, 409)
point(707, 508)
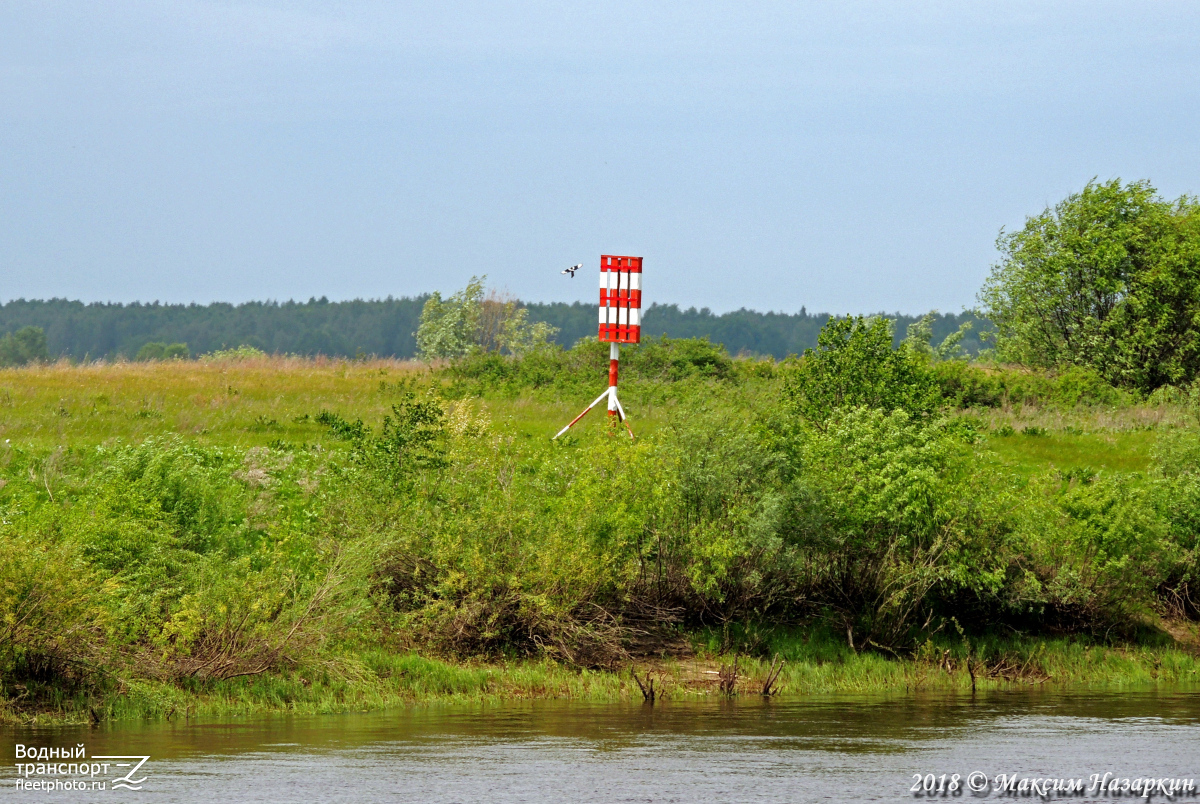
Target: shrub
point(1093, 553)
point(50, 617)
point(163, 351)
point(888, 516)
point(528, 549)
point(673, 359)
point(26, 345)
point(243, 352)
point(965, 386)
point(584, 367)
point(412, 440)
point(855, 365)
point(151, 351)
point(1176, 466)
point(178, 561)
point(718, 515)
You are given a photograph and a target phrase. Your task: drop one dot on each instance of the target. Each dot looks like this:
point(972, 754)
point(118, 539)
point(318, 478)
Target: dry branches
point(768, 688)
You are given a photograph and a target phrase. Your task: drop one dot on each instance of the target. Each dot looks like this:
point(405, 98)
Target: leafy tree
point(468, 322)
point(919, 337)
point(26, 345)
point(449, 327)
point(521, 336)
point(1108, 279)
point(854, 365)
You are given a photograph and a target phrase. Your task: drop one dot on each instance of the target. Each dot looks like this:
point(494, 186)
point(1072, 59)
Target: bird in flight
point(572, 270)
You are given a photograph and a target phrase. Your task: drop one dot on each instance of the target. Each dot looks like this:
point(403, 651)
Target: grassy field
point(273, 401)
point(261, 401)
point(237, 403)
point(243, 403)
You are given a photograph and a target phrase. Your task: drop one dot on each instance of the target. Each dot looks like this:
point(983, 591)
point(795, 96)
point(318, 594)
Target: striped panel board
point(620, 299)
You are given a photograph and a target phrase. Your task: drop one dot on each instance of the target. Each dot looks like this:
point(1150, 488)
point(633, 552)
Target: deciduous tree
point(1108, 279)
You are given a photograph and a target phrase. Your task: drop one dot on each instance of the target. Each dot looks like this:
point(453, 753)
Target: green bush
point(412, 440)
point(151, 351)
point(521, 553)
point(856, 365)
point(163, 351)
point(888, 514)
point(673, 359)
point(965, 385)
point(50, 614)
point(585, 366)
point(243, 352)
point(170, 560)
point(26, 345)
point(1177, 469)
point(1093, 553)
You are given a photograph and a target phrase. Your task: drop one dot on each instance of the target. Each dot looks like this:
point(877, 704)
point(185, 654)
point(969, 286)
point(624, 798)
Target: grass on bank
point(814, 664)
point(1035, 449)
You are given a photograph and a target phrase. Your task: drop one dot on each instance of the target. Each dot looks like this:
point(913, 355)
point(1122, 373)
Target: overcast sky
point(847, 157)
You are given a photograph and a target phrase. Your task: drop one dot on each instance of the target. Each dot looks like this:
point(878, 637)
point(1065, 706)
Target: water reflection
point(782, 750)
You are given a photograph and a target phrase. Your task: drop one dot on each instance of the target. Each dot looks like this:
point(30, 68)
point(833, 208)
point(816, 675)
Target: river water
point(747, 750)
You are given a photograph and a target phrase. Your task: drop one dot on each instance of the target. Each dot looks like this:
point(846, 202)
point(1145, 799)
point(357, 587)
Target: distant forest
point(386, 327)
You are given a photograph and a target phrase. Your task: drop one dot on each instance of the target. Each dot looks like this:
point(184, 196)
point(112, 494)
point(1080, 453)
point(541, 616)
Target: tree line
point(383, 327)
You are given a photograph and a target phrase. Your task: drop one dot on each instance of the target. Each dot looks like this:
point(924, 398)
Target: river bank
point(214, 539)
point(378, 680)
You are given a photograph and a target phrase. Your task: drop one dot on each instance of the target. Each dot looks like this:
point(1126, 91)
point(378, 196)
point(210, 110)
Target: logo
point(51, 768)
point(127, 781)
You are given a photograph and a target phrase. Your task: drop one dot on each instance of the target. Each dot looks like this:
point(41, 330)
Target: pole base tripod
point(610, 393)
point(614, 409)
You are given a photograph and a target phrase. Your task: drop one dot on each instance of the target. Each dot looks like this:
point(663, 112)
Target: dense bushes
point(966, 385)
point(869, 510)
point(889, 520)
point(168, 561)
point(1177, 474)
point(1092, 554)
point(856, 365)
point(653, 362)
point(157, 350)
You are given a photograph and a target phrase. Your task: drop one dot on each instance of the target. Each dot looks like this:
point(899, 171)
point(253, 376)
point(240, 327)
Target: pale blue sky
point(843, 156)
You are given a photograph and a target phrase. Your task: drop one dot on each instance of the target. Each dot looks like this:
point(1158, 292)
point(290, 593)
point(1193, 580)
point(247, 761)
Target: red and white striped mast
point(620, 322)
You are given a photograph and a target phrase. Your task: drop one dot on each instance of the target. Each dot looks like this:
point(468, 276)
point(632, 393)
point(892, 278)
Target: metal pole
point(614, 359)
point(614, 404)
